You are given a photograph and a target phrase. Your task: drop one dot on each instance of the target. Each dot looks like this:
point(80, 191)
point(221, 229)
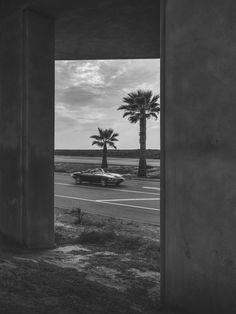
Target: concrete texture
point(109, 30)
point(200, 153)
point(198, 127)
point(92, 29)
point(27, 129)
point(38, 130)
point(10, 127)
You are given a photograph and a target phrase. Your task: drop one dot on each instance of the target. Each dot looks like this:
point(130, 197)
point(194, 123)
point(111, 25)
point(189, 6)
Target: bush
point(130, 242)
point(96, 236)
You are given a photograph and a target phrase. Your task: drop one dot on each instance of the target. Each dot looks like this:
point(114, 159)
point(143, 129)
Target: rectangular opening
point(98, 102)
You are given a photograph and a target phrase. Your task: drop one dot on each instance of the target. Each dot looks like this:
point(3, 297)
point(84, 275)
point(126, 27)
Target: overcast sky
point(88, 94)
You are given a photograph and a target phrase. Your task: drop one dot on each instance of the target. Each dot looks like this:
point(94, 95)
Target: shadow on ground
point(100, 265)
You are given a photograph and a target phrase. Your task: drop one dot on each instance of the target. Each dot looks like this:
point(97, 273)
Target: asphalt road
point(136, 200)
point(111, 160)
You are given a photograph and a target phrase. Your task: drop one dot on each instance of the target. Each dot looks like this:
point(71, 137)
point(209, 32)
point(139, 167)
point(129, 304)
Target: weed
point(79, 215)
point(96, 236)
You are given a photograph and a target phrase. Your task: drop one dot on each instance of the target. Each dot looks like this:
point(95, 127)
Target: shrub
point(96, 236)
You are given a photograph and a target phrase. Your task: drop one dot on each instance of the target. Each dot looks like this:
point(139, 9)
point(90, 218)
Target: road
point(136, 200)
point(111, 160)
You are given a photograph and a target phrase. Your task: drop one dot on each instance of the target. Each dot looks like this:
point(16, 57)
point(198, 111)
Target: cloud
point(63, 123)
point(88, 93)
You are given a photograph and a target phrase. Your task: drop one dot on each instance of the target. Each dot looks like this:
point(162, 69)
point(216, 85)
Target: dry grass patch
point(100, 265)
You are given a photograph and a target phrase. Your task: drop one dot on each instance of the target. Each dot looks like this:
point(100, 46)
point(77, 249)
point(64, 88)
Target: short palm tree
point(105, 138)
point(140, 106)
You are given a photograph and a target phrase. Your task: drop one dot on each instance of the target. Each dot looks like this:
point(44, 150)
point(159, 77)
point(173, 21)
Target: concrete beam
point(98, 29)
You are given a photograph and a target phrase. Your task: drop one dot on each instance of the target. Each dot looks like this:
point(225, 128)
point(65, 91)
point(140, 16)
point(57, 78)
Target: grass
point(100, 265)
point(140, 241)
point(123, 254)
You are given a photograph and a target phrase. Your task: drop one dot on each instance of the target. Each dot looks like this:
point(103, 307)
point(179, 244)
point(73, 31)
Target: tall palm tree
point(140, 106)
point(105, 138)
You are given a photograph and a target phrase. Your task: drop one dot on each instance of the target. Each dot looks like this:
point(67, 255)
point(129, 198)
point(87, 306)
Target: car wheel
point(103, 182)
point(78, 181)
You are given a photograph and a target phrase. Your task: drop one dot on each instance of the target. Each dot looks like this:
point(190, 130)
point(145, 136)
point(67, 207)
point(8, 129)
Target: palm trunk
point(142, 171)
point(104, 156)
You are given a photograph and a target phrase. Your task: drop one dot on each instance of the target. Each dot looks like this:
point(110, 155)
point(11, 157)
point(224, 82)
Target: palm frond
point(96, 137)
point(123, 107)
point(155, 98)
point(111, 144)
point(134, 118)
point(157, 110)
point(114, 137)
point(133, 94)
point(138, 103)
point(154, 105)
point(106, 136)
point(100, 144)
point(109, 132)
point(128, 113)
point(151, 114)
point(128, 100)
point(148, 96)
point(101, 132)
point(115, 134)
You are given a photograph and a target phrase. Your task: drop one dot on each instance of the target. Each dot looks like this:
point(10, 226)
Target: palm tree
point(140, 106)
point(105, 138)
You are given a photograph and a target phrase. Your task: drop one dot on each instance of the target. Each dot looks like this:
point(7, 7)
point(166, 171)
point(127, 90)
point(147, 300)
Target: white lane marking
point(125, 205)
point(150, 187)
point(102, 202)
point(130, 199)
point(133, 191)
point(74, 198)
point(109, 189)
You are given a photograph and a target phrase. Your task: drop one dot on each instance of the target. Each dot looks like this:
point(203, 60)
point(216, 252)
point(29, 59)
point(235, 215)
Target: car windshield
point(94, 171)
point(98, 171)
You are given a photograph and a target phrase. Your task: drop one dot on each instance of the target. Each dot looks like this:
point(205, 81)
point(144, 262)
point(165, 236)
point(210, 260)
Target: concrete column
point(200, 155)
point(27, 129)
point(38, 126)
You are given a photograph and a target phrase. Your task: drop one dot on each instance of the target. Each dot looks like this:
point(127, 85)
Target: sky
point(88, 93)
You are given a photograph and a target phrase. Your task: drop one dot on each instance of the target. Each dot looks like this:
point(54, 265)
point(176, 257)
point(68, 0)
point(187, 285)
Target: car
point(97, 175)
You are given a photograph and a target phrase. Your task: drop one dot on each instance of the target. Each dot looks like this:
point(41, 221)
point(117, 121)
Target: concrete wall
point(199, 221)
point(27, 128)
point(10, 127)
point(198, 130)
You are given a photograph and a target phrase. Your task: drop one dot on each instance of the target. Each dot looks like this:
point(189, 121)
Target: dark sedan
point(97, 175)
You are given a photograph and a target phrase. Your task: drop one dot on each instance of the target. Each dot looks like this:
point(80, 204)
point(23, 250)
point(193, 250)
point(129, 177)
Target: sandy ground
point(99, 265)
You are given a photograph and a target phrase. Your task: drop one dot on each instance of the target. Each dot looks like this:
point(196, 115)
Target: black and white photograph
point(117, 157)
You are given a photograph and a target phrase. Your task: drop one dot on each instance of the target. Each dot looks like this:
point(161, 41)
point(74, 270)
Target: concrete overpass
point(198, 76)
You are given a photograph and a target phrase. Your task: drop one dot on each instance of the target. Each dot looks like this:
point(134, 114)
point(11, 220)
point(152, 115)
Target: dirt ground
point(99, 265)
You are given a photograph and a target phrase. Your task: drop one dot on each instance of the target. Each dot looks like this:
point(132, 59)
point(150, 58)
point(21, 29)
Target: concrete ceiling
point(100, 29)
